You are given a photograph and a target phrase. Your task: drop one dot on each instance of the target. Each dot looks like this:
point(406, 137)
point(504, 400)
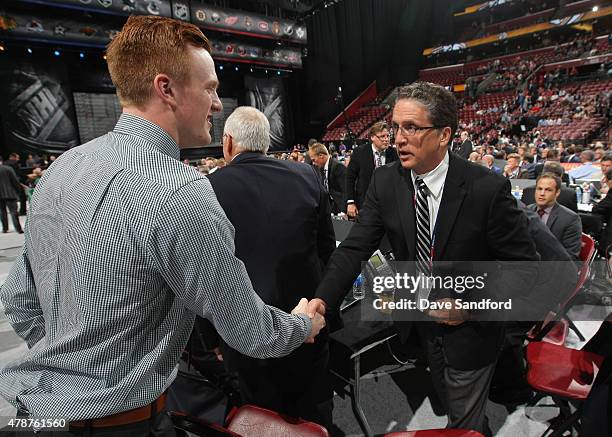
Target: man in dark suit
point(10, 189)
point(562, 222)
point(465, 147)
point(567, 197)
point(462, 201)
point(13, 162)
point(573, 154)
point(364, 160)
point(333, 175)
point(489, 161)
point(604, 207)
point(513, 169)
point(284, 235)
point(552, 155)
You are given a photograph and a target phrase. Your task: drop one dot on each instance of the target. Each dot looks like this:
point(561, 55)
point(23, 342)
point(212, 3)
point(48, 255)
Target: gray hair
point(249, 128)
point(439, 102)
point(589, 155)
point(553, 167)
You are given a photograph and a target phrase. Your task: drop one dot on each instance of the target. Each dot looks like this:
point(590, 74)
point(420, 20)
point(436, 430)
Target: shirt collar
point(152, 134)
point(375, 150)
point(326, 166)
point(548, 209)
point(435, 178)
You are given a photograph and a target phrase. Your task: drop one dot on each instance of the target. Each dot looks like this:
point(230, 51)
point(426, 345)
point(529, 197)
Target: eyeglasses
point(383, 137)
point(410, 131)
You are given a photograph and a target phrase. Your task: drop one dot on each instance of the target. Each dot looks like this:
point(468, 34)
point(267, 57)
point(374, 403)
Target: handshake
point(315, 310)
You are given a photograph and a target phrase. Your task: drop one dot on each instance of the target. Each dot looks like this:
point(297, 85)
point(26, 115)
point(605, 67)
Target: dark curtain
point(355, 42)
point(270, 97)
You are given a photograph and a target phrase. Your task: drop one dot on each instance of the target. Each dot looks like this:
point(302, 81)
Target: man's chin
point(196, 143)
point(408, 163)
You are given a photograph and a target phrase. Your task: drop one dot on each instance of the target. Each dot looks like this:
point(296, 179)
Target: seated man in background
point(489, 161)
point(604, 207)
point(606, 164)
point(513, 168)
point(587, 170)
point(562, 222)
point(567, 197)
point(284, 235)
point(333, 175)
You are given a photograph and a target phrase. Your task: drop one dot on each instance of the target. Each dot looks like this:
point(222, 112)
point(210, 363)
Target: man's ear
point(445, 139)
point(163, 88)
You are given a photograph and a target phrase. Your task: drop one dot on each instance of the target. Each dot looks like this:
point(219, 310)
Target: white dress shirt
point(383, 156)
point(435, 186)
point(326, 172)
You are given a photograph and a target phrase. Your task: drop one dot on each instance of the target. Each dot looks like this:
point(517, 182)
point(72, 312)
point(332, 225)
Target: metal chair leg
point(355, 400)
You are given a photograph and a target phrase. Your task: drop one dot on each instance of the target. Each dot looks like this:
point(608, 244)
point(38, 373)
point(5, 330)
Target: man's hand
point(318, 323)
point(452, 317)
point(316, 318)
point(218, 354)
point(316, 305)
point(301, 307)
point(351, 210)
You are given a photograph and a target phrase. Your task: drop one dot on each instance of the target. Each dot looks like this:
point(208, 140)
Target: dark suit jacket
point(360, 169)
point(539, 168)
point(605, 208)
point(565, 224)
point(567, 197)
point(336, 183)
point(284, 234)
point(464, 149)
point(556, 280)
point(478, 220)
point(9, 184)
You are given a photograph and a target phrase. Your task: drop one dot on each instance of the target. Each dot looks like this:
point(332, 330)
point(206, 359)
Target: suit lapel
point(404, 196)
point(554, 213)
point(452, 199)
point(369, 159)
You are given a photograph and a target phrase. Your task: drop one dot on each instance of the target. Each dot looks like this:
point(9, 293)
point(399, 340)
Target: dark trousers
point(23, 201)
point(11, 204)
point(292, 385)
point(158, 426)
point(464, 393)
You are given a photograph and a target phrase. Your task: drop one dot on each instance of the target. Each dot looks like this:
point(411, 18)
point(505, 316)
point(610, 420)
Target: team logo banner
point(230, 20)
point(145, 7)
point(53, 29)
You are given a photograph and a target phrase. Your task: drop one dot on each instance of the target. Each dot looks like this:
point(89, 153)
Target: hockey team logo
point(201, 15)
point(153, 6)
point(181, 11)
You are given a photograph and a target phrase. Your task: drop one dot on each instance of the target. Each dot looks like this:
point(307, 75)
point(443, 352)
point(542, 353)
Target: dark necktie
point(379, 159)
point(541, 212)
point(423, 246)
point(423, 243)
point(324, 177)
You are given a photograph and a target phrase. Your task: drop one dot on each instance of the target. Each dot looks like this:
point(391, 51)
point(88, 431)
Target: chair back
point(436, 433)
point(587, 254)
point(253, 421)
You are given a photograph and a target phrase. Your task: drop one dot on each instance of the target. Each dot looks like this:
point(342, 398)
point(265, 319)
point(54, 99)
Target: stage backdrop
point(270, 97)
point(37, 110)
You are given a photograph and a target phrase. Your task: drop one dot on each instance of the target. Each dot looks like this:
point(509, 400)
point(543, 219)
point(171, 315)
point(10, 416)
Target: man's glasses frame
point(410, 131)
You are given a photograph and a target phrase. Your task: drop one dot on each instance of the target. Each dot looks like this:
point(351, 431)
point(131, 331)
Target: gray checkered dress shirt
point(124, 244)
